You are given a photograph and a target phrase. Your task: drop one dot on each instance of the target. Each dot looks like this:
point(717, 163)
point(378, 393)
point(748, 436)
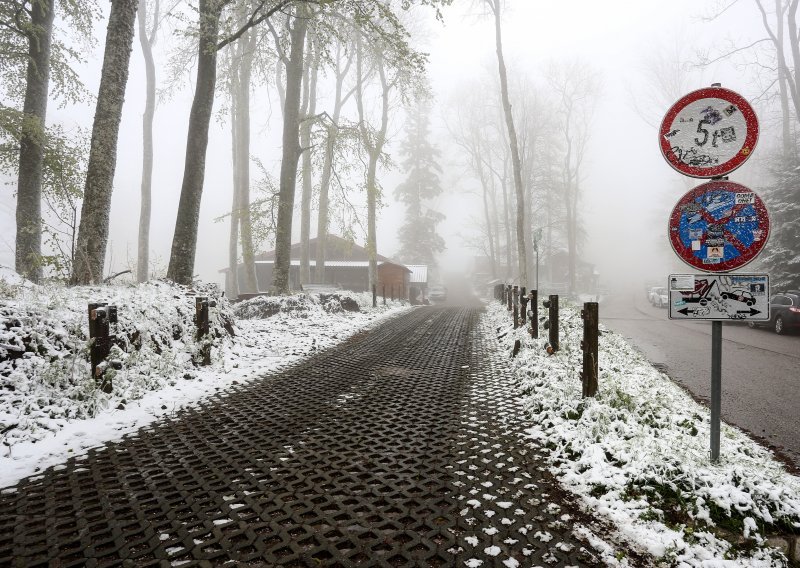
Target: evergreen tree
point(781, 256)
point(419, 241)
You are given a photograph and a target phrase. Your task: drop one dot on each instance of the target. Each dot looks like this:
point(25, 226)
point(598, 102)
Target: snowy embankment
point(50, 407)
point(637, 455)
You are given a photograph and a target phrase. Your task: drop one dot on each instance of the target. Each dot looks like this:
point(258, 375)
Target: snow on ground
point(50, 407)
point(638, 453)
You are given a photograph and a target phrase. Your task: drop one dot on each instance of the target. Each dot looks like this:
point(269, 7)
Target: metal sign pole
point(716, 386)
point(733, 134)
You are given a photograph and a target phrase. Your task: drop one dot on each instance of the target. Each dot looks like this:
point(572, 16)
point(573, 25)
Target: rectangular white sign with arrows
point(719, 297)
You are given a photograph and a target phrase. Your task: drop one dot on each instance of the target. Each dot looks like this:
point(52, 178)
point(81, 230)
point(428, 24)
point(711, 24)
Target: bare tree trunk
point(309, 110)
point(291, 153)
point(236, 206)
point(327, 167)
point(374, 147)
point(184, 241)
point(93, 230)
point(507, 218)
point(243, 157)
point(488, 221)
point(147, 42)
point(794, 42)
point(783, 73)
point(28, 251)
point(516, 162)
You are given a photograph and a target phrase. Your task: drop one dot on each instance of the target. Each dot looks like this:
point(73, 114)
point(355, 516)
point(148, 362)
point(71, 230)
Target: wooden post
point(534, 313)
point(384, 294)
point(508, 297)
point(374, 296)
point(101, 316)
point(515, 303)
point(523, 311)
point(553, 326)
point(201, 305)
point(590, 348)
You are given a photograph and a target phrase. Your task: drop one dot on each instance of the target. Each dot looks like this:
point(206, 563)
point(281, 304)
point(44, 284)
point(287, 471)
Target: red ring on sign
point(746, 253)
point(751, 120)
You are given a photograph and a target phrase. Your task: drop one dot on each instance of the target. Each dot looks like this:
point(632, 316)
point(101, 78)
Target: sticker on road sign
point(718, 226)
point(708, 133)
point(721, 297)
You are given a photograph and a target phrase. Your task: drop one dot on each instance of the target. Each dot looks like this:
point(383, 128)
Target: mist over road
point(760, 370)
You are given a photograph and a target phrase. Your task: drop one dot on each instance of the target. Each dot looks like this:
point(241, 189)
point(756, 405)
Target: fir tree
point(781, 256)
point(419, 241)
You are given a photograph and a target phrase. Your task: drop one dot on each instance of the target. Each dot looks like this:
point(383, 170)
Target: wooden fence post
point(589, 345)
point(534, 299)
point(515, 304)
point(552, 323)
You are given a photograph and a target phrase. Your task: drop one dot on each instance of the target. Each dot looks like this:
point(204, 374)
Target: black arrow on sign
point(686, 311)
point(751, 311)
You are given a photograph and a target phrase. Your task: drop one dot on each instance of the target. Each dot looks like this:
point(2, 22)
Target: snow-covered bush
point(299, 305)
point(44, 349)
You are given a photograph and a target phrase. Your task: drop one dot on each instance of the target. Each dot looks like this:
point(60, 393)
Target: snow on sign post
point(718, 226)
point(708, 133)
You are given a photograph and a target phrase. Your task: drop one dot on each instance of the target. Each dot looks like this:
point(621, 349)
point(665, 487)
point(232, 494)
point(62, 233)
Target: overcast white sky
point(629, 189)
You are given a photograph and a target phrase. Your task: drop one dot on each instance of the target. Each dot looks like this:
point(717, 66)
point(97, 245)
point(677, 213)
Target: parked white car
point(658, 297)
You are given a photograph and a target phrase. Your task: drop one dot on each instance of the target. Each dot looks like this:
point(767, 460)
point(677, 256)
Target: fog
point(627, 188)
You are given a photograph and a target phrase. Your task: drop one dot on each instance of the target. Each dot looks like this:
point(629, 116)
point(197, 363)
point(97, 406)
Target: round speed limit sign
point(708, 133)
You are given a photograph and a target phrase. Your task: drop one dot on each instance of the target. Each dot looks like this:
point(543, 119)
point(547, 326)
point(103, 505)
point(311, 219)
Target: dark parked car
point(784, 312)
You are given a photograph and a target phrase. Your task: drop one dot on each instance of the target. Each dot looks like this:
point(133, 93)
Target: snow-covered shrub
point(44, 349)
point(299, 305)
point(336, 303)
point(262, 307)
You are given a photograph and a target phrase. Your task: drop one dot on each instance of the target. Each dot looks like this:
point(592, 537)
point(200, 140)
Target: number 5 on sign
point(708, 133)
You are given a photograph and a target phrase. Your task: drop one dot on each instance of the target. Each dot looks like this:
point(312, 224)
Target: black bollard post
point(590, 317)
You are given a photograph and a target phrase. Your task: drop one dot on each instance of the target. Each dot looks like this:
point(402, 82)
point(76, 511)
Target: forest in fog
point(496, 137)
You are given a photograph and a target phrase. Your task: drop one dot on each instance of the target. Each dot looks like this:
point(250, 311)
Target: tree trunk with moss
point(31, 155)
point(184, 241)
point(93, 229)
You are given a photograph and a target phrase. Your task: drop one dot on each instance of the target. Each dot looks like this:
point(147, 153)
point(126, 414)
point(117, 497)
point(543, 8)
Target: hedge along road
point(760, 369)
point(400, 447)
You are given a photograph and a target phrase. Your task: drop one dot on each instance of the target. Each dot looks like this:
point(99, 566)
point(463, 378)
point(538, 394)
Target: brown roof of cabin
point(337, 249)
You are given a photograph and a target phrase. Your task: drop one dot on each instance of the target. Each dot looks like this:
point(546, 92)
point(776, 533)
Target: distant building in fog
point(346, 267)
